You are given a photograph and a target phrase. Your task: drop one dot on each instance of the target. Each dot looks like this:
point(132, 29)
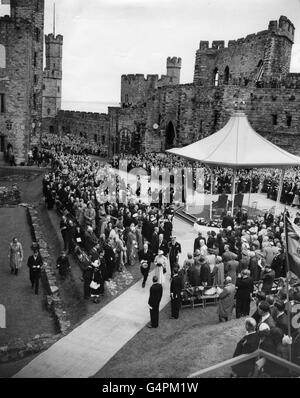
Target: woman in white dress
point(160, 262)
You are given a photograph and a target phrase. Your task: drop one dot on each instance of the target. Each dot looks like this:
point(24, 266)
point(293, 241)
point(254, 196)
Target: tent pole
point(233, 192)
point(250, 188)
point(287, 280)
point(279, 192)
point(211, 193)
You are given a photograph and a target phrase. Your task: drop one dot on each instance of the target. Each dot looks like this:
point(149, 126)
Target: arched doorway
point(2, 146)
point(125, 141)
point(226, 75)
point(170, 136)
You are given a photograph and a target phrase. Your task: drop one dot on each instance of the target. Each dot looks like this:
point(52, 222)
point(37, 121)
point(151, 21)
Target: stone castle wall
point(21, 80)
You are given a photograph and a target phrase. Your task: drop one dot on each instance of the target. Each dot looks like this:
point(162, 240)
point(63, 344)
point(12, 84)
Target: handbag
point(94, 285)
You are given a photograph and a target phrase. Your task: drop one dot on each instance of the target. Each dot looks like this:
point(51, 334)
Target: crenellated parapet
point(83, 115)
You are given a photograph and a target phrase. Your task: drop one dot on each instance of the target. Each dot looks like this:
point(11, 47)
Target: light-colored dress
point(160, 264)
point(15, 255)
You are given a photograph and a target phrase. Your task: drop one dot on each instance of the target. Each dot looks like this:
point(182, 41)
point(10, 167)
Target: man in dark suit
point(154, 241)
point(162, 245)
point(168, 228)
point(35, 263)
point(265, 316)
point(174, 250)
point(156, 292)
point(281, 319)
point(146, 258)
point(246, 345)
point(245, 288)
point(175, 293)
point(228, 221)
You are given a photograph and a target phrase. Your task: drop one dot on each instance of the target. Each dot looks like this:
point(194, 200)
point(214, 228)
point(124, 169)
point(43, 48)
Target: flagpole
point(287, 284)
point(233, 192)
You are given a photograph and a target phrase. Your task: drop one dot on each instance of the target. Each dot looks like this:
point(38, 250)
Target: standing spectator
point(146, 258)
point(281, 319)
point(228, 221)
point(244, 291)
point(15, 256)
point(226, 300)
point(63, 230)
point(175, 293)
point(156, 292)
point(230, 268)
point(204, 271)
point(174, 250)
point(63, 265)
point(264, 315)
point(219, 272)
point(268, 276)
point(246, 345)
point(35, 263)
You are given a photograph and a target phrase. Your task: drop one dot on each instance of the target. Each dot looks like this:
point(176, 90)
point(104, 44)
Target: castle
point(155, 113)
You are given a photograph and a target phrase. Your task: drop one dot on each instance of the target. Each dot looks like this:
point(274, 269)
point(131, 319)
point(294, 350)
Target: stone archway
point(170, 136)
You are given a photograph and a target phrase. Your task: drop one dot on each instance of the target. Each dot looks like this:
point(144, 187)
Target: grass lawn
point(26, 315)
point(178, 347)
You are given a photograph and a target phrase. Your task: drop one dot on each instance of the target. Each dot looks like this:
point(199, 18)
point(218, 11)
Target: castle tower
point(21, 35)
point(173, 69)
point(52, 76)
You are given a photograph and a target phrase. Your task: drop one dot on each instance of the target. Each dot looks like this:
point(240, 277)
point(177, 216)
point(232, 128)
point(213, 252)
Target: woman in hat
point(160, 262)
point(15, 256)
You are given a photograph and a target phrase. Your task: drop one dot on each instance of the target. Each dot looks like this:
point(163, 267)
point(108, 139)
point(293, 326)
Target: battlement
point(83, 115)
point(134, 78)
point(52, 74)
point(52, 39)
point(283, 27)
point(174, 62)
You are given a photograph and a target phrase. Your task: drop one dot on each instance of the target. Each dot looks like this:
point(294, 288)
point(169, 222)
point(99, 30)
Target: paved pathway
point(90, 346)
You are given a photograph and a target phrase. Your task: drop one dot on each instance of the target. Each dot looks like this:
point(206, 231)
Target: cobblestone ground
point(26, 314)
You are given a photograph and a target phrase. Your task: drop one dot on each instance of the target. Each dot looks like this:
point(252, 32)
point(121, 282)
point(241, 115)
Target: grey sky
point(104, 39)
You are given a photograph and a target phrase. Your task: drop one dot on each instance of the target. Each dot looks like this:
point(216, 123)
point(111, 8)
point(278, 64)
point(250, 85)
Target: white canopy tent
point(238, 146)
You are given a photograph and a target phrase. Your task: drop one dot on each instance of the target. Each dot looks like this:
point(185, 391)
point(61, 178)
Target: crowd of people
point(241, 260)
point(259, 180)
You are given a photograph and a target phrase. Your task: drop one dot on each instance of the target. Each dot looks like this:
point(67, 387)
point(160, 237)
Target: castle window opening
point(44, 87)
point(216, 77)
point(226, 75)
point(274, 120)
point(35, 59)
point(58, 89)
point(95, 137)
point(288, 120)
point(260, 68)
point(103, 140)
point(2, 103)
point(2, 56)
point(37, 34)
point(48, 111)
point(51, 129)
point(35, 79)
point(34, 101)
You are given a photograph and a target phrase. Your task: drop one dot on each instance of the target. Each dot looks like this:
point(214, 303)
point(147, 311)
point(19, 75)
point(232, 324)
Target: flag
point(293, 246)
point(4, 2)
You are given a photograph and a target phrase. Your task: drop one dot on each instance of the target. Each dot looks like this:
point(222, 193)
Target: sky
point(104, 39)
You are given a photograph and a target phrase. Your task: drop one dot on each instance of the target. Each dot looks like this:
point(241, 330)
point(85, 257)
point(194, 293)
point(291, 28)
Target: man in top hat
point(174, 251)
point(35, 263)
